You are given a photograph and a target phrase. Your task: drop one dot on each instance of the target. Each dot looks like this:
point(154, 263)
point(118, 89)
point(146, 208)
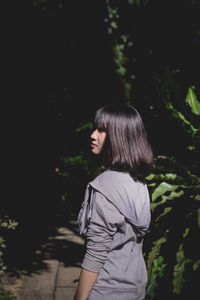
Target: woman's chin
point(95, 151)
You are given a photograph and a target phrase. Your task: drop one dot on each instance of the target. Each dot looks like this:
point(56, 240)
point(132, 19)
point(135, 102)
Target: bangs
point(101, 120)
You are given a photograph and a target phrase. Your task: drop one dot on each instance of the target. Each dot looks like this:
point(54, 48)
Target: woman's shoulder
point(113, 178)
point(110, 175)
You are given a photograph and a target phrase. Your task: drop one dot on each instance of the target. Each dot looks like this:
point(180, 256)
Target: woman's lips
point(93, 145)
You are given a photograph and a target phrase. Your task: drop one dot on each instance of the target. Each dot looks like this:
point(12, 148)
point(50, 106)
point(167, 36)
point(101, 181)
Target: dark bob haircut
point(126, 148)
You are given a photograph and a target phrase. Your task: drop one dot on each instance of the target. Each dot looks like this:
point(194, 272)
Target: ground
point(58, 278)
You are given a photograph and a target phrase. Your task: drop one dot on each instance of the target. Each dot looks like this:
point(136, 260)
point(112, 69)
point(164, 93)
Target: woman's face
point(98, 139)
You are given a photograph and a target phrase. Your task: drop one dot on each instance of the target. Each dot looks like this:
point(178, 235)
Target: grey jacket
point(114, 218)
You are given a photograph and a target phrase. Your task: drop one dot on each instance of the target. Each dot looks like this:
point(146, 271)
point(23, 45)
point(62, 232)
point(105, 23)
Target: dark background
point(58, 68)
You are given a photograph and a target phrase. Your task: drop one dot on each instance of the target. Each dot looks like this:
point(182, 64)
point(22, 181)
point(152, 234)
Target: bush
point(5, 223)
point(175, 206)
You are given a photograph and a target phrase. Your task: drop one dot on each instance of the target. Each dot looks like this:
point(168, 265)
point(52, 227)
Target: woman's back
point(115, 244)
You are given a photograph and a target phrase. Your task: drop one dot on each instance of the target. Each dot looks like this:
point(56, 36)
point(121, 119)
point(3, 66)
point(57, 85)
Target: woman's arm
point(100, 232)
point(86, 281)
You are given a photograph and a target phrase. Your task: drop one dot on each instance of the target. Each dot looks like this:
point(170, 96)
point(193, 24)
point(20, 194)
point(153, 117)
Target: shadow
point(27, 252)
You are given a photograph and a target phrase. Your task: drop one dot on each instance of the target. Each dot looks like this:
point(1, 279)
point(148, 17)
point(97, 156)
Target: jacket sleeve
point(105, 219)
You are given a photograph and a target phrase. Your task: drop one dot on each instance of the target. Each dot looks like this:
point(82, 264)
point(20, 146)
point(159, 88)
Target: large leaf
point(162, 189)
point(191, 99)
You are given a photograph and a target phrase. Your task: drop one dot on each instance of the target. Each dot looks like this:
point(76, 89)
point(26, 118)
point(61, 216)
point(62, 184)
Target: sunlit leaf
point(179, 280)
point(164, 177)
point(191, 99)
point(162, 189)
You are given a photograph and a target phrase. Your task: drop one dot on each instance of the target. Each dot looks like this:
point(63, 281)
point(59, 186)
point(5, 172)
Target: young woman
point(115, 214)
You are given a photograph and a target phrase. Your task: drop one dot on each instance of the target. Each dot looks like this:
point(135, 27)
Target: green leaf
point(159, 260)
point(85, 126)
point(164, 213)
point(165, 177)
point(162, 189)
point(198, 216)
point(191, 99)
point(178, 280)
point(155, 205)
point(154, 253)
point(196, 265)
point(173, 195)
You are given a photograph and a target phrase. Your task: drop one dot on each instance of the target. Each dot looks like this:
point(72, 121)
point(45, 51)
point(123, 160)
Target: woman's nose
point(93, 135)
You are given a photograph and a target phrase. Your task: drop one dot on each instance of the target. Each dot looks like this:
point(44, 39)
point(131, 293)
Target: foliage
point(77, 171)
point(85, 126)
point(6, 295)
point(76, 161)
point(138, 2)
point(187, 113)
point(153, 44)
point(191, 100)
point(157, 272)
point(112, 16)
point(121, 60)
point(5, 223)
point(175, 194)
point(160, 78)
point(120, 43)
